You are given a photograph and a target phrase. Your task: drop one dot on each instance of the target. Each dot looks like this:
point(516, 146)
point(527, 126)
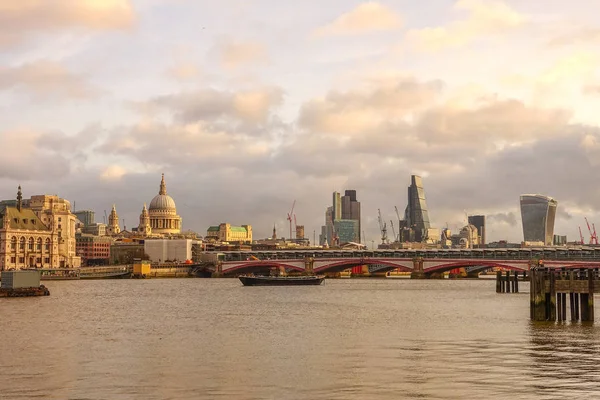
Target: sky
point(247, 106)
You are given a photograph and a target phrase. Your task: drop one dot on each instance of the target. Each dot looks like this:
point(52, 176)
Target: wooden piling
point(516, 281)
point(591, 276)
point(499, 282)
point(551, 315)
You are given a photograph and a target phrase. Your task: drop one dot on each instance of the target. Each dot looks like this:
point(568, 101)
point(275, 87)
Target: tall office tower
point(351, 211)
point(86, 217)
point(329, 224)
point(416, 215)
point(538, 213)
point(337, 206)
point(479, 222)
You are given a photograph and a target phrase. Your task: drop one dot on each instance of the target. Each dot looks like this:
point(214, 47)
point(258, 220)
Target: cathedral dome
point(162, 201)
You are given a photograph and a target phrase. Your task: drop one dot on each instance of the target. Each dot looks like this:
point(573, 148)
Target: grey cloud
point(249, 106)
point(508, 218)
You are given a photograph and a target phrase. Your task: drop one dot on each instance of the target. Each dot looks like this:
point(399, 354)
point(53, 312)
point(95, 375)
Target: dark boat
point(281, 280)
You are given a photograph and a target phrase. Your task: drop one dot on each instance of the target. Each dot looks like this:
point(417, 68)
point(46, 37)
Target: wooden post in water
point(591, 276)
point(551, 297)
point(516, 289)
point(498, 281)
point(507, 281)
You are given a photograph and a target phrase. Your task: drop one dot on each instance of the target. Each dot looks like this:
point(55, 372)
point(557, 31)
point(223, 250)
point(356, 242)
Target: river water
point(346, 339)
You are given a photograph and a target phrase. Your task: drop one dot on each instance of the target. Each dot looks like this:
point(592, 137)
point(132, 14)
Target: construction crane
point(593, 236)
point(399, 222)
point(581, 236)
point(393, 230)
point(382, 227)
point(289, 217)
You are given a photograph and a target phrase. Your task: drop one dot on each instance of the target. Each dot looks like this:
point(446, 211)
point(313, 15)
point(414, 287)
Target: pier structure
point(549, 290)
point(508, 283)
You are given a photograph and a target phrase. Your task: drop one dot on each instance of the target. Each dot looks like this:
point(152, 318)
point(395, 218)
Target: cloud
point(358, 111)
point(46, 79)
point(248, 106)
point(585, 35)
point(184, 71)
point(235, 54)
point(507, 218)
point(366, 17)
point(113, 172)
point(484, 19)
point(591, 89)
point(23, 159)
point(18, 19)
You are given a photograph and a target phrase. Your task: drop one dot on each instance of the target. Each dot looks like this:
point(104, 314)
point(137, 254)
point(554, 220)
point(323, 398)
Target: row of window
point(31, 244)
point(38, 260)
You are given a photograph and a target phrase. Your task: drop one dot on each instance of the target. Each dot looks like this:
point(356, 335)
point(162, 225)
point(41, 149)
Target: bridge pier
point(218, 271)
point(417, 272)
point(309, 266)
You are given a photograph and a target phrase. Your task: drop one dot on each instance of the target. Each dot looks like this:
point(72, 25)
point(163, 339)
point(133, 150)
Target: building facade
point(25, 240)
point(55, 213)
point(163, 212)
point(346, 230)
point(227, 233)
point(164, 250)
point(538, 213)
point(93, 250)
point(479, 222)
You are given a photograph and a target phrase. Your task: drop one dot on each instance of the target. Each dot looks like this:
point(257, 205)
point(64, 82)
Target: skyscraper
point(479, 222)
point(538, 213)
point(351, 211)
point(337, 206)
point(416, 216)
point(342, 220)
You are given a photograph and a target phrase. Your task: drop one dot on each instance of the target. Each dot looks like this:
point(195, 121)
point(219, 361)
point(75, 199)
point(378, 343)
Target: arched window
point(13, 243)
point(47, 244)
point(38, 246)
point(30, 244)
point(22, 243)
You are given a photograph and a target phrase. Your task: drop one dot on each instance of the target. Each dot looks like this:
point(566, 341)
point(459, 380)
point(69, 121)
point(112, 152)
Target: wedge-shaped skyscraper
point(538, 214)
point(416, 216)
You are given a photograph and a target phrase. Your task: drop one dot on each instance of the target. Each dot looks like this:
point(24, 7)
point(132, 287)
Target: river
point(346, 339)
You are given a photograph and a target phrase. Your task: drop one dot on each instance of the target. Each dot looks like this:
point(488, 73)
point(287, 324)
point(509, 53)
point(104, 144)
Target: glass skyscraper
point(538, 214)
point(416, 216)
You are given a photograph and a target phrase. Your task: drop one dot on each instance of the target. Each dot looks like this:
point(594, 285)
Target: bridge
point(421, 263)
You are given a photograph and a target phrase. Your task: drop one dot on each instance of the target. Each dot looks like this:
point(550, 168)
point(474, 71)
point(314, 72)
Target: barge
point(24, 283)
point(249, 280)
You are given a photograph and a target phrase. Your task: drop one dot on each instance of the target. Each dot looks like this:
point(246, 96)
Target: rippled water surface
point(346, 339)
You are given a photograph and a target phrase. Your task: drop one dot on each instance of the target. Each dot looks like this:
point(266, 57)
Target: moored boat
point(249, 280)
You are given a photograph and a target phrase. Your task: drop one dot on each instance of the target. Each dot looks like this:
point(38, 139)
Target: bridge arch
point(345, 264)
point(484, 264)
point(255, 266)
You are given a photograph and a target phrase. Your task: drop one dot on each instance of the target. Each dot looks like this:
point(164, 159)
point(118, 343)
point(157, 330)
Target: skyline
point(247, 107)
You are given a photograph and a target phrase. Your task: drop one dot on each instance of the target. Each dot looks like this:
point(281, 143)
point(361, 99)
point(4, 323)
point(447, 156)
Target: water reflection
point(348, 339)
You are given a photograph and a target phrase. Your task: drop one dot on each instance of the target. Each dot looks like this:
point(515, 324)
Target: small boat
point(249, 280)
